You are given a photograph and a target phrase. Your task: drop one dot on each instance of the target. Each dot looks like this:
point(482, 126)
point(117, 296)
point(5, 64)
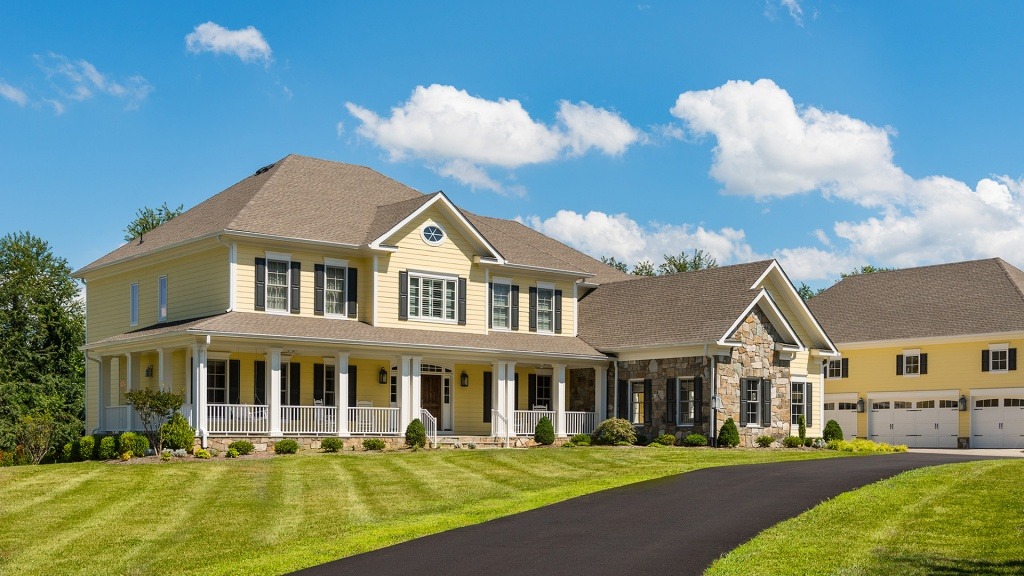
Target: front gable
point(779, 291)
point(441, 212)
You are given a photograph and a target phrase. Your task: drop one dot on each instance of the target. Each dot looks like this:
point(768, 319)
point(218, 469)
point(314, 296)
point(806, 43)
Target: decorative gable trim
point(787, 286)
point(764, 300)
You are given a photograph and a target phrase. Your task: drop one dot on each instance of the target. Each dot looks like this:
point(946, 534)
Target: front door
point(430, 397)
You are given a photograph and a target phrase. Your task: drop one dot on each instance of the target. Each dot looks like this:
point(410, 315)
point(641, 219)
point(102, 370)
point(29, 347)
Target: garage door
point(845, 414)
point(997, 422)
point(918, 423)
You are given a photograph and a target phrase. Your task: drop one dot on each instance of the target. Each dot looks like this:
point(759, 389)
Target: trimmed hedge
point(107, 449)
point(286, 446)
point(832, 431)
point(415, 434)
point(243, 447)
point(765, 441)
point(695, 440)
point(665, 440)
point(331, 444)
point(87, 448)
point(373, 444)
point(792, 442)
point(137, 444)
point(729, 434)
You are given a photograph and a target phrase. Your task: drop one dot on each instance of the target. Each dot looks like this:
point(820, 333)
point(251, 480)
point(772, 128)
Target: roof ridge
point(1004, 267)
point(271, 171)
point(656, 277)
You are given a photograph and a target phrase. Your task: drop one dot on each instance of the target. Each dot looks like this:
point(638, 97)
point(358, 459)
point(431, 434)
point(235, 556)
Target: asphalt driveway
point(673, 525)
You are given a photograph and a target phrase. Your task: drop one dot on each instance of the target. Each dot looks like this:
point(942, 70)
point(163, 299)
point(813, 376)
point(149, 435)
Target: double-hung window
point(432, 298)
point(545, 309)
point(161, 312)
point(285, 390)
point(133, 311)
point(751, 401)
point(277, 285)
point(911, 363)
point(801, 402)
point(217, 381)
point(999, 358)
point(838, 368)
point(335, 301)
point(501, 305)
point(637, 402)
point(685, 399)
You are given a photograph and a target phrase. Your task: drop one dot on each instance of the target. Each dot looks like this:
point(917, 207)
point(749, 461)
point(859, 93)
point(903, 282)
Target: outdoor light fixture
point(860, 405)
point(382, 376)
point(464, 380)
point(962, 403)
point(149, 371)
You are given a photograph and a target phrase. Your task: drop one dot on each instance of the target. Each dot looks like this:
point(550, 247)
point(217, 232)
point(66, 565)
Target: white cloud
point(13, 94)
point(79, 80)
point(247, 44)
point(795, 11)
point(458, 135)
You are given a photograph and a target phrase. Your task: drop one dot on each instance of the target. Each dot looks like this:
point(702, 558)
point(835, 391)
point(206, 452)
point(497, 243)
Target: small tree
point(832, 431)
point(148, 218)
point(803, 426)
point(154, 408)
point(34, 436)
point(544, 433)
point(729, 435)
point(416, 434)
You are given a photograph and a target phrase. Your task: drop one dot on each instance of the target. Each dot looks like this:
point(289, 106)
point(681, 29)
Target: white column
point(274, 401)
point(199, 377)
point(417, 391)
point(558, 398)
point(498, 396)
point(130, 371)
point(510, 394)
point(341, 391)
point(103, 391)
point(165, 368)
point(405, 398)
point(600, 394)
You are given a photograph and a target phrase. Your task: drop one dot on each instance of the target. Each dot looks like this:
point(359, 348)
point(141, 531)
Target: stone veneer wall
point(662, 371)
point(581, 390)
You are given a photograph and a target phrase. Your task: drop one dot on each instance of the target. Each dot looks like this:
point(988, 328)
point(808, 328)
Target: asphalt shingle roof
point(975, 297)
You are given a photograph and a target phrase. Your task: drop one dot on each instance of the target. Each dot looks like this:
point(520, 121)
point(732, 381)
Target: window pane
point(796, 402)
point(414, 296)
point(686, 405)
point(277, 285)
point(334, 290)
point(449, 300)
point(911, 364)
point(545, 313)
point(637, 403)
point(500, 305)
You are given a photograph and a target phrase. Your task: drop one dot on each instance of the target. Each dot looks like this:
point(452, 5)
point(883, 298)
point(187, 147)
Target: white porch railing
point(309, 419)
point(237, 419)
point(579, 423)
point(186, 410)
point(499, 426)
point(430, 426)
point(526, 420)
point(121, 419)
point(374, 421)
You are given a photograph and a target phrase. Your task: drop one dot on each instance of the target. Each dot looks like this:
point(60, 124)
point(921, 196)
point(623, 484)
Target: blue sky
point(827, 135)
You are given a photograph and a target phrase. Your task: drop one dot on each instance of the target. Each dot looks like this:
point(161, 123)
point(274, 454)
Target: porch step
point(478, 442)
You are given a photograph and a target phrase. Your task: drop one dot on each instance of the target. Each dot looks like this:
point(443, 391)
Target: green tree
point(643, 268)
point(806, 292)
point(699, 260)
point(147, 218)
point(154, 409)
point(617, 264)
point(868, 269)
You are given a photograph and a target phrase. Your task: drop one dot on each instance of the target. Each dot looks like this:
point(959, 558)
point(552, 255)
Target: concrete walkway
point(987, 452)
point(674, 525)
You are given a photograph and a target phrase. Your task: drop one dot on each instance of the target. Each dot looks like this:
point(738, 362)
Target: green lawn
point(269, 516)
point(956, 519)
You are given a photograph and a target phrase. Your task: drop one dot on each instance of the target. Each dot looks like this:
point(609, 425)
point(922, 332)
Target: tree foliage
point(617, 264)
point(868, 269)
point(147, 218)
point(699, 260)
point(154, 409)
point(644, 268)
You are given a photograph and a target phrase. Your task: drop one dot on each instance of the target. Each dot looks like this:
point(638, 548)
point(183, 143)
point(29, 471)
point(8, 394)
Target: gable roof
point(974, 297)
point(317, 200)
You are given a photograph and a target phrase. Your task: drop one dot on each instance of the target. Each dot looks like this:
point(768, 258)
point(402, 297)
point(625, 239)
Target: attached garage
point(928, 419)
point(997, 418)
point(843, 409)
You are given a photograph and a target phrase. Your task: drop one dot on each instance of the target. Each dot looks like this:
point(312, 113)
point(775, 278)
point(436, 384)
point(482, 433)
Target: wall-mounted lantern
point(464, 380)
point(962, 403)
point(149, 371)
point(860, 405)
point(382, 376)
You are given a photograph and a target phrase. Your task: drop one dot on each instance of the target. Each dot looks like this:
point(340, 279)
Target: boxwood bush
point(371, 444)
point(286, 446)
point(415, 434)
point(665, 440)
point(695, 440)
point(137, 444)
point(792, 442)
point(832, 431)
point(580, 440)
point(729, 434)
point(108, 448)
point(331, 444)
point(544, 433)
point(614, 432)
point(765, 441)
point(243, 447)
point(87, 448)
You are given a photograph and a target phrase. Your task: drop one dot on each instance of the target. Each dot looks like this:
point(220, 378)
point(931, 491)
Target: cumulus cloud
point(12, 93)
point(79, 80)
point(247, 43)
point(458, 135)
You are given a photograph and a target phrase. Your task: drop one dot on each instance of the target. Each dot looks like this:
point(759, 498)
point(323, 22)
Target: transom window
point(432, 298)
point(636, 402)
point(433, 235)
point(880, 405)
point(987, 403)
point(1013, 402)
point(277, 285)
point(334, 290)
point(829, 406)
point(545, 310)
point(501, 305)
point(902, 405)
point(685, 398)
point(217, 381)
point(926, 404)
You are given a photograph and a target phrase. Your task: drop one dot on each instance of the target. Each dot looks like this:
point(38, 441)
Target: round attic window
point(433, 235)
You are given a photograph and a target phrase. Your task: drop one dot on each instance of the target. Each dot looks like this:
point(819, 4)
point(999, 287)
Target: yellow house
point(316, 298)
point(929, 355)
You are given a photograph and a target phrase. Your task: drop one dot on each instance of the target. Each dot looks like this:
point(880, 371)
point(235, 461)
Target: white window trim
point(161, 298)
point(545, 286)
point(336, 263)
point(490, 303)
point(423, 234)
point(803, 386)
point(828, 369)
point(679, 389)
point(133, 304)
point(629, 416)
point(433, 276)
point(998, 348)
point(219, 357)
point(287, 259)
point(906, 354)
point(758, 403)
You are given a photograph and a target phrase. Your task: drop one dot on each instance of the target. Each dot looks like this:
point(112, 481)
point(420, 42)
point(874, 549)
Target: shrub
point(372, 444)
point(665, 440)
point(107, 449)
point(137, 444)
point(832, 431)
point(695, 440)
point(178, 434)
point(415, 434)
point(87, 448)
point(332, 444)
point(580, 440)
point(70, 452)
point(642, 440)
point(729, 434)
point(126, 455)
point(803, 426)
point(860, 445)
point(203, 453)
point(243, 447)
point(808, 442)
point(792, 442)
point(614, 431)
point(232, 453)
point(6, 458)
point(544, 433)
point(286, 446)
point(165, 455)
point(765, 441)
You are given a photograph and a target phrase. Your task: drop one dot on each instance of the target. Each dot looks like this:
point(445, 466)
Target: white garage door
point(844, 413)
point(997, 422)
point(918, 423)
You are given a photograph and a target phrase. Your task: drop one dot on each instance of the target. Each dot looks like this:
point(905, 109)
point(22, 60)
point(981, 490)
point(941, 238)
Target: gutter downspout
point(615, 388)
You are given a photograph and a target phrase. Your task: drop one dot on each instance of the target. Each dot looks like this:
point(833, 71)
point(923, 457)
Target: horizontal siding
point(524, 283)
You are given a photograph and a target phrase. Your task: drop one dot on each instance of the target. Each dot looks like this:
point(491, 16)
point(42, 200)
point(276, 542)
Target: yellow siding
point(197, 285)
point(524, 283)
point(468, 403)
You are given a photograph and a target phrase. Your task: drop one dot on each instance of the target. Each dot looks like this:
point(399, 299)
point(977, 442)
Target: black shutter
point(352, 385)
point(516, 403)
point(845, 368)
point(924, 363)
point(622, 400)
point(296, 277)
point(808, 404)
point(766, 402)
point(533, 308)
point(318, 289)
point(294, 384)
point(698, 400)
point(259, 382)
point(403, 295)
point(1011, 359)
point(261, 283)
point(488, 396)
point(671, 385)
point(514, 297)
point(984, 360)
point(462, 301)
point(899, 364)
point(744, 401)
point(531, 391)
point(234, 388)
point(330, 386)
point(318, 382)
point(647, 402)
point(558, 311)
point(352, 289)
point(490, 304)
